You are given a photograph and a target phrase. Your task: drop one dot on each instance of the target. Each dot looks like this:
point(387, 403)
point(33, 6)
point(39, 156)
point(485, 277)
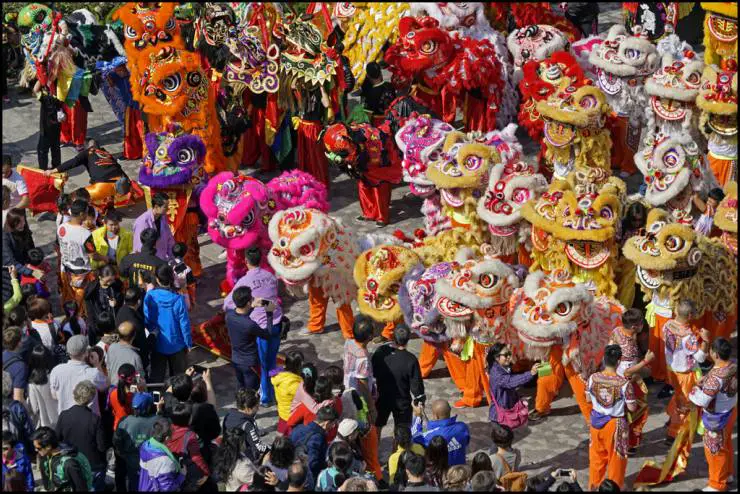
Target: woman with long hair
point(73, 323)
point(280, 458)
point(437, 461)
point(231, 464)
point(42, 405)
point(119, 398)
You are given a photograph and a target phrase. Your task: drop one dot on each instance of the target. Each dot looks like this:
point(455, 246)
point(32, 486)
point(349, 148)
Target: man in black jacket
point(50, 129)
point(141, 267)
point(398, 377)
point(105, 294)
point(247, 404)
point(81, 428)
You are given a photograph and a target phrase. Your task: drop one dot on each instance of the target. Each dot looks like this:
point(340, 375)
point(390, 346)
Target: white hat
point(347, 427)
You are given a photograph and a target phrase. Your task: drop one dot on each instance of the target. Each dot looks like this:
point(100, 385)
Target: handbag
point(514, 417)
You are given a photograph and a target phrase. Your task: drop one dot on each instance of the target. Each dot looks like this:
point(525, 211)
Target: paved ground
point(560, 441)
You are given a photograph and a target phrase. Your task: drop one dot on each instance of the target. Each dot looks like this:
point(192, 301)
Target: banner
point(43, 191)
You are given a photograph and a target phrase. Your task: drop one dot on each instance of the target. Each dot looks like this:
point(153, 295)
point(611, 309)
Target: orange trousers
point(623, 152)
point(318, 304)
point(638, 424)
point(548, 387)
point(679, 407)
point(723, 169)
point(369, 447)
point(470, 377)
point(720, 329)
point(604, 461)
point(722, 464)
point(657, 346)
point(375, 202)
point(70, 292)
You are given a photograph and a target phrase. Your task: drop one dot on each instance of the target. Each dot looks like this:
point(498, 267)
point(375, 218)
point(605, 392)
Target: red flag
point(43, 191)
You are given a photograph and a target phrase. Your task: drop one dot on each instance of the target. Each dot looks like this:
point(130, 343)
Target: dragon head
point(422, 46)
point(420, 140)
point(148, 25)
point(173, 82)
point(378, 273)
point(673, 88)
point(239, 208)
point(622, 57)
point(34, 20)
point(726, 217)
point(417, 296)
point(510, 186)
point(718, 101)
point(304, 55)
point(252, 65)
point(535, 42)
point(720, 31)
point(216, 23)
point(353, 147)
point(305, 241)
point(473, 298)
point(672, 167)
point(549, 308)
point(173, 158)
point(665, 253)
point(460, 172)
point(574, 119)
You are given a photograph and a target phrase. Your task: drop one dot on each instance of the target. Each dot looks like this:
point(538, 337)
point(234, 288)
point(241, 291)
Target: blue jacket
point(455, 434)
point(313, 439)
point(166, 315)
point(22, 464)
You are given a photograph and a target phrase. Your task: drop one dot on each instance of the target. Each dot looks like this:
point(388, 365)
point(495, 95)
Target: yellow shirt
point(393, 459)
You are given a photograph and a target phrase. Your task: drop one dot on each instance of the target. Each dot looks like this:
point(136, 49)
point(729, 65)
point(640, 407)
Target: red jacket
point(176, 444)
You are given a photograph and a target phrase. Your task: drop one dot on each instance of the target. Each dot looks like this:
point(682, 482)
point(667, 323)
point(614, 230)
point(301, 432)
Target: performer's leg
point(549, 386)
point(382, 195)
point(597, 458)
point(458, 373)
point(428, 356)
point(369, 446)
point(722, 168)
point(657, 346)
point(346, 320)
point(679, 407)
point(79, 124)
point(367, 202)
point(578, 385)
point(317, 304)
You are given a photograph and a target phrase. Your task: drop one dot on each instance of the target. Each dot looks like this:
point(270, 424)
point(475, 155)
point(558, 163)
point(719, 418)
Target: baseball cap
point(77, 345)
point(347, 427)
point(142, 401)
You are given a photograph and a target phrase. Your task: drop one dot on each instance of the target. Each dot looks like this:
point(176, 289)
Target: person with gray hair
point(685, 348)
point(81, 428)
point(65, 377)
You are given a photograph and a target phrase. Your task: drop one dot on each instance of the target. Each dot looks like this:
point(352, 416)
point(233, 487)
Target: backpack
point(512, 481)
point(59, 471)
point(10, 424)
point(187, 465)
point(15, 422)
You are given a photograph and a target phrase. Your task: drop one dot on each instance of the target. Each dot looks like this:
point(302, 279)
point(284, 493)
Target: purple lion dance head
point(173, 158)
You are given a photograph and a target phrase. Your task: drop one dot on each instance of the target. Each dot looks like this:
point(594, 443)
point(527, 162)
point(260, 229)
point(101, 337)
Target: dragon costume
point(445, 67)
point(367, 27)
point(717, 101)
point(534, 42)
point(674, 263)
point(469, 20)
point(623, 62)
point(239, 208)
point(173, 165)
point(540, 79)
point(674, 170)
point(575, 136)
point(510, 186)
point(574, 228)
point(312, 252)
point(723, 324)
point(561, 322)
point(420, 141)
point(673, 89)
point(720, 33)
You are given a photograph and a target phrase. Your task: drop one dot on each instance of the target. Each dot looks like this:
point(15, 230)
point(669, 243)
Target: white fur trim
point(532, 283)
point(579, 293)
point(468, 299)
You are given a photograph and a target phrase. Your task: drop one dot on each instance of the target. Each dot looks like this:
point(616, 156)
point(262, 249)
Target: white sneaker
point(710, 489)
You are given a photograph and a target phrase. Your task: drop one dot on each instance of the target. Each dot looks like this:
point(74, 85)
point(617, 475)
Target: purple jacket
point(165, 242)
point(503, 387)
point(160, 470)
point(263, 285)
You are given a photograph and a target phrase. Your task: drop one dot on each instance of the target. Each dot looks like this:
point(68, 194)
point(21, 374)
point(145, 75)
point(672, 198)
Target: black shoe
point(362, 218)
point(380, 224)
point(631, 451)
point(665, 392)
point(535, 416)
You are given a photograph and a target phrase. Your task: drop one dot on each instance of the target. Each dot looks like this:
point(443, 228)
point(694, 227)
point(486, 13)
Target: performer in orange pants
point(469, 377)
point(720, 325)
point(318, 303)
point(548, 387)
point(657, 346)
point(369, 447)
point(74, 127)
point(724, 168)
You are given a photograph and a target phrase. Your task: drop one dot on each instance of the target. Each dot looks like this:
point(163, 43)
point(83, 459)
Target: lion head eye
point(487, 280)
point(674, 243)
point(564, 308)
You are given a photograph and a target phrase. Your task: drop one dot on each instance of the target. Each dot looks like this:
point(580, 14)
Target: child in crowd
point(37, 264)
point(72, 324)
point(705, 224)
point(286, 377)
point(184, 279)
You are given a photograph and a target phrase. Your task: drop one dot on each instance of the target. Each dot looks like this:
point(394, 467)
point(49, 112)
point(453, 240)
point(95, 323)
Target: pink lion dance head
point(297, 188)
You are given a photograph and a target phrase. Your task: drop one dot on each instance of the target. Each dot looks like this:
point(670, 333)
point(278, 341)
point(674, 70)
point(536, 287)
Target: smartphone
point(564, 472)
point(179, 268)
point(157, 395)
point(264, 303)
point(199, 369)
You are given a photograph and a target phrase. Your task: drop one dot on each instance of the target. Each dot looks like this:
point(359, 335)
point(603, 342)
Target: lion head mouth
point(588, 255)
point(668, 109)
point(559, 134)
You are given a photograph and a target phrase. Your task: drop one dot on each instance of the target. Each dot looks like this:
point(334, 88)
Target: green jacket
point(125, 244)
